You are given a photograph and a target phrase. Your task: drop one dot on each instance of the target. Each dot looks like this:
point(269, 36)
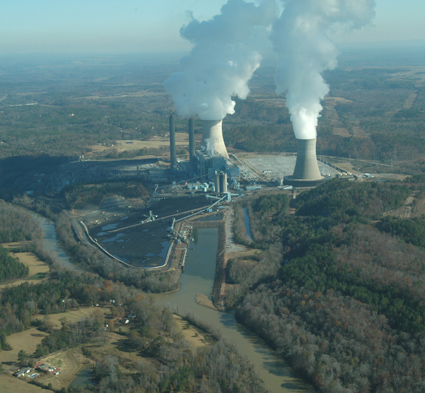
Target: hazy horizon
point(140, 26)
point(385, 49)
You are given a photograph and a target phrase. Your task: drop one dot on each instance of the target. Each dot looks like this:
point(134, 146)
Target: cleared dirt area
point(410, 101)
point(26, 340)
point(414, 207)
point(346, 166)
point(11, 384)
point(154, 143)
point(245, 254)
point(140, 93)
point(204, 300)
point(38, 270)
point(191, 334)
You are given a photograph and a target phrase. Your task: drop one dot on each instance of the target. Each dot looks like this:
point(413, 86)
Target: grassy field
point(26, 340)
point(131, 145)
point(38, 270)
point(29, 339)
point(72, 361)
point(71, 316)
point(11, 384)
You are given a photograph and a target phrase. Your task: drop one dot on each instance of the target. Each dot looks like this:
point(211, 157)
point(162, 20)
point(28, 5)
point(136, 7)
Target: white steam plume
point(227, 51)
point(300, 37)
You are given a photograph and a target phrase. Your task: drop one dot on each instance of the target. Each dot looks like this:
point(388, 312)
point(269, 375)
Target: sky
point(103, 26)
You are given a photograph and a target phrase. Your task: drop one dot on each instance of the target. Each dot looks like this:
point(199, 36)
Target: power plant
point(210, 163)
point(306, 172)
point(210, 158)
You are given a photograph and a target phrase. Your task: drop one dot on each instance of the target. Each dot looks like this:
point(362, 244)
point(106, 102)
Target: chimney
point(212, 130)
point(223, 182)
point(217, 182)
point(306, 172)
point(173, 160)
point(191, 145)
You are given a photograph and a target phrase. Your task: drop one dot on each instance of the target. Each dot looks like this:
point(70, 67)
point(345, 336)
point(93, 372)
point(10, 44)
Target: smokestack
point(306, 172)
point(212, 130)
point(191, 145)
point(223, 182)
point(173, 160)
point(217, 182)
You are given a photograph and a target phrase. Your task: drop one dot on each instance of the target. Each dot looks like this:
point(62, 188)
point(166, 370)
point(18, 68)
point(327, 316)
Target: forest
point(338, 291)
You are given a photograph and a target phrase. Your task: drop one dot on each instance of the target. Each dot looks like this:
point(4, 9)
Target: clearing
point(182, 139)
point(71, 316)
point(194, 337)
point(26, 340)
point(11, 384)
point(38, 270)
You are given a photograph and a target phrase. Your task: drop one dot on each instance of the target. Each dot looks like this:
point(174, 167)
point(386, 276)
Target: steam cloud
point(227, 50)
point(300, 37)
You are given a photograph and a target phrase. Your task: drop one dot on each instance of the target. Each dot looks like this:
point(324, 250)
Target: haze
point(139, 26)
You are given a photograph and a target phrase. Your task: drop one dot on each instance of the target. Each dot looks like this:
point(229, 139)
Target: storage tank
point(223, 182)
point(217, 182)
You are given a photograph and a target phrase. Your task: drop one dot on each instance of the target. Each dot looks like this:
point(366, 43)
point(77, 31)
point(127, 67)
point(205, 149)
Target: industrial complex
point(200, 186)
point(154, 230)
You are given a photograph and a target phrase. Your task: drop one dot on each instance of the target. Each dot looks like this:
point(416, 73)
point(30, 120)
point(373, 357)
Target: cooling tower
point(212, 131)
point(306, 172)
point(192, 158)
point(172, 143)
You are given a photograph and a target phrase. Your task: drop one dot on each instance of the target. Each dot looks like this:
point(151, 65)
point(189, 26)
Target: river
point(50, 243)
point(199, 278)
point(247, 223)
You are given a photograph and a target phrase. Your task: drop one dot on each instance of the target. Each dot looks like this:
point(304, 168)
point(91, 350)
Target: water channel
point(199, 278)
point(247, 223)
point(50, 243)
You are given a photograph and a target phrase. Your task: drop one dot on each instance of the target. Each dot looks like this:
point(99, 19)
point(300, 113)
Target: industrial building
point(210, 159)
point(206, 165)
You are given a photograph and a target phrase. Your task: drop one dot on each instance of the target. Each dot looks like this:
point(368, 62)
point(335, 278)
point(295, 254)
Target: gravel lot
point(274, 167)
